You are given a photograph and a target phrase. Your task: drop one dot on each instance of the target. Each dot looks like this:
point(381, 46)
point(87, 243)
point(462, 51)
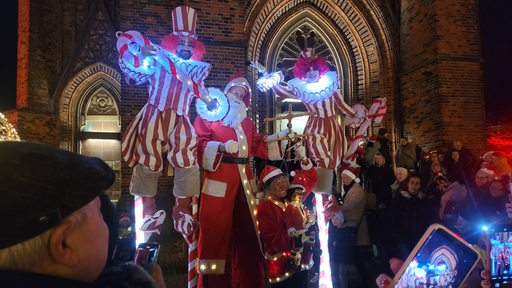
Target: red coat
point(222, 214)
point(273, 223)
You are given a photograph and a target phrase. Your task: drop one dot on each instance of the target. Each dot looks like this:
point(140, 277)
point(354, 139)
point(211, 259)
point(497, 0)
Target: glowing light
point(268, 81)
point(219, 112)
point(145, 63)
point(315, 87)
point(7, 131)
point(420, 273)
point(441, 267)
point(325, 267)
point(139, 235)
point(291, 100)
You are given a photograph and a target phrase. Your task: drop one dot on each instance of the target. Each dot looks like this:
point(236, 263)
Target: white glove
point(300, 150)
point(231, 146)
point(286, 132)
point(262, 69)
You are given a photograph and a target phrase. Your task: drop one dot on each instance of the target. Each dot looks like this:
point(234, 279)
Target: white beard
point(237, 112)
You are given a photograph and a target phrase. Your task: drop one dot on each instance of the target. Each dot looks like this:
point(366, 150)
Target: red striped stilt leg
point(192, 248)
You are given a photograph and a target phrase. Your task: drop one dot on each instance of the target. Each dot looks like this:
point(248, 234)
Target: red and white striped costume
point(327, 142)
point(162, 127)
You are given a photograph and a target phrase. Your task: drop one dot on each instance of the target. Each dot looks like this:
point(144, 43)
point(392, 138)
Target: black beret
point(40, 185)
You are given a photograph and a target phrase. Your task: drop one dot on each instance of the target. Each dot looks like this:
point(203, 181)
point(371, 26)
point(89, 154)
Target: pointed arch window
point(288, 50)
point(100, 133)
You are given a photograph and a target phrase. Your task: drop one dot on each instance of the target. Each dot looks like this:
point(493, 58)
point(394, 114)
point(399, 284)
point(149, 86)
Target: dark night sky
point(9, 24)
point(496, 30)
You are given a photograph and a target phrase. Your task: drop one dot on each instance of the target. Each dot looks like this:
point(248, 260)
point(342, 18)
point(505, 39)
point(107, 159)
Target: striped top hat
point(184, 21)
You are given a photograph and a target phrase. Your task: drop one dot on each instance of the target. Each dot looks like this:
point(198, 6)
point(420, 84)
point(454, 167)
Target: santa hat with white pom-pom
point(352, 172)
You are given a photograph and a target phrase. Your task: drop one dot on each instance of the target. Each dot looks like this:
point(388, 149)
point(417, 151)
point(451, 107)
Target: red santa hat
point(372, 138)
point(299, 180)
point(238, 79)
point(488, 169)
point(352, 172)
point(184, 20)
point(268, 173)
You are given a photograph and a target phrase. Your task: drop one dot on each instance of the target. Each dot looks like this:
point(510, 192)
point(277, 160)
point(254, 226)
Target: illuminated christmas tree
point(7, 131)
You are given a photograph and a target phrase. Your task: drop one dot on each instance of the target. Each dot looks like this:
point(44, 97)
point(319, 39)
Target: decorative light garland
point(7, 131)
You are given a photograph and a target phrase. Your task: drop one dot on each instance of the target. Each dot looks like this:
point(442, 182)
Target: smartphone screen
point(440, 259)
point(146, 255)
point(500, 241)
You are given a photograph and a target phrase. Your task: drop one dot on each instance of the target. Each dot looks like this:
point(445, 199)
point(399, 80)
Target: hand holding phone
point(146, 255)
point(440, 259)
point(500, 251)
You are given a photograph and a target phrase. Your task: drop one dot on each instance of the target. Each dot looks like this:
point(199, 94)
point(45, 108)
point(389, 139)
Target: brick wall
point(441, 73)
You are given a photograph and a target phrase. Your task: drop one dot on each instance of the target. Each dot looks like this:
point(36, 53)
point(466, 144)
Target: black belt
point(234, 160)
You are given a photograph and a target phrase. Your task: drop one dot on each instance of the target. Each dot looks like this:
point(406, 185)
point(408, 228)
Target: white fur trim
point(308, 166)
point(209, 156)
point(272, 173)
point(292, 231)
point(349, 174)
point(487, 171)
point(215, 188)
point(296, 186)
point(274, 151)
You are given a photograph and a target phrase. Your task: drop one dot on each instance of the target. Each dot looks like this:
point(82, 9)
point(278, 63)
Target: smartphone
point(146, 255)
point(500, 250)
point(440, 259)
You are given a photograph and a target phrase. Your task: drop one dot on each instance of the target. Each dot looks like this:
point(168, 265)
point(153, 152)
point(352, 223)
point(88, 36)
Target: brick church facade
point(425, 57)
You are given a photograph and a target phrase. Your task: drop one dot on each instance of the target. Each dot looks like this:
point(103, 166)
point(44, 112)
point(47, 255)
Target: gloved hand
point(262, 69)
point(293, 221)
point(184, 223)
point(229, 146)
point(300, 150)
point(286, 132)
point(148, 50)
point(333, 207)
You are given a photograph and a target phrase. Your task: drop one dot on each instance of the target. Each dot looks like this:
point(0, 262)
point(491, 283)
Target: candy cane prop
point(192, 248)
point(376, 113)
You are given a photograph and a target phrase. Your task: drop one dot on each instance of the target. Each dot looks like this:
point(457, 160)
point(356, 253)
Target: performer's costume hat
point(184, 20)
point(352, 172)
point(269, 172)
point(299, 180)
point(238, 79)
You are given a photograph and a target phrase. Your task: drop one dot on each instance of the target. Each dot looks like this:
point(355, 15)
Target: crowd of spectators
point(449, 185)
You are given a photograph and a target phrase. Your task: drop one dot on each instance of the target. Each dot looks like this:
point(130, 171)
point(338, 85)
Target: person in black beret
point(53, 232)
point(383, 139)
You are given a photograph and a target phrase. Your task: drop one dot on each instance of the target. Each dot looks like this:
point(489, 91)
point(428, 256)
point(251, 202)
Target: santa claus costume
point(229, 251)
point(161, 133)
point(276, 216)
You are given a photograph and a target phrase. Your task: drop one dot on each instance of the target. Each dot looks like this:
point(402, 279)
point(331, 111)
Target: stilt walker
point(317, 87)
point(161, 137)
